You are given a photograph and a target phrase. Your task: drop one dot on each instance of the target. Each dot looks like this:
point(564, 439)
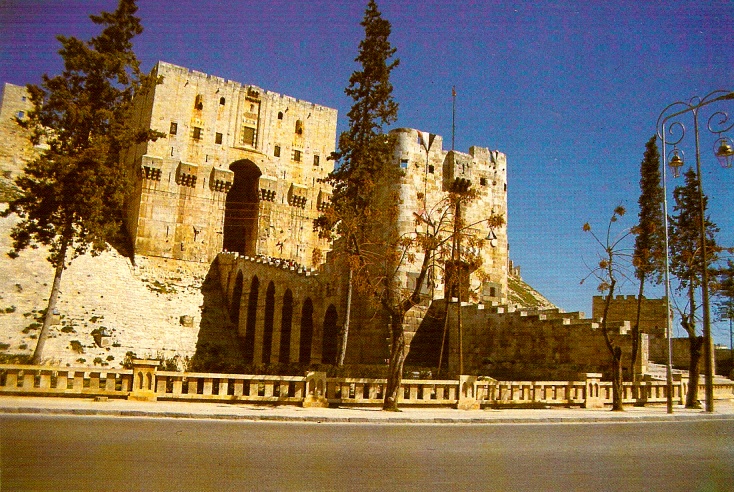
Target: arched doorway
point(285, 327)
point(241, 209)
point(304, 352)
point(251, 320)
point(236, 301)
point(268, 322)
point(330, 341)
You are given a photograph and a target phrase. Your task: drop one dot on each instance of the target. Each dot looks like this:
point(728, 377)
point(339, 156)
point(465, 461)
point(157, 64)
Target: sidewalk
point(724, 410)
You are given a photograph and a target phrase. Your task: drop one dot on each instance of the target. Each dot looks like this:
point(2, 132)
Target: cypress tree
point(650, 233)
point(364, 154)
point(686, 264)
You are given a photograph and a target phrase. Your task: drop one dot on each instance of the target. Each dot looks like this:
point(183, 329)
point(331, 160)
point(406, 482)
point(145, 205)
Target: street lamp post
point(717, 124)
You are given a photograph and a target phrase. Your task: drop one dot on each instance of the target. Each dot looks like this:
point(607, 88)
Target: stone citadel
point(238, 182)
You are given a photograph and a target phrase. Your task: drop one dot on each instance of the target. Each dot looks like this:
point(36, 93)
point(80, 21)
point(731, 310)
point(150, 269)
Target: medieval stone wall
point(528, 344)
point(239, 169)
point(16, 149)
point(624, 308)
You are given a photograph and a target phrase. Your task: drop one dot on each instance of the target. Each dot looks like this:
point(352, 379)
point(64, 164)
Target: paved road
point(101, 453)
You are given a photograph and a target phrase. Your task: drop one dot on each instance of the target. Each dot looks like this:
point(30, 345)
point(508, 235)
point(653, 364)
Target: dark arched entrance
point(330, 340)
point(268, 322)
point(251, 320)
point(234, 308)
point(241, 209)
point(304, 352)
point(285, 327)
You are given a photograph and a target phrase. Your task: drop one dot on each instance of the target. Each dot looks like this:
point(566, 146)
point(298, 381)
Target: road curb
point(616, 418)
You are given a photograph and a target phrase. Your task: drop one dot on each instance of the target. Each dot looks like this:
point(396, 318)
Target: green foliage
point(364, 151)
point(4, 346)
point(650, 232)
point(77, 346)
point(686, 260)
point(725, 291)
point(9, 309)
point(72, 194)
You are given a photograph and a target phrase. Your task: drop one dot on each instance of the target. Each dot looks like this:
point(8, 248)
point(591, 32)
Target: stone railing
point(145, 382)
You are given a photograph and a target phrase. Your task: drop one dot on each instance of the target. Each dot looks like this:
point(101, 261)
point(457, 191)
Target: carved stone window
point(280, 115)
point(315, 160)
point(276, 151)
point(297, 155)
point(174, 128)
point(199, 102)
point(218, 138)
point(222, 101)
point(299, 127)
point(197, 133)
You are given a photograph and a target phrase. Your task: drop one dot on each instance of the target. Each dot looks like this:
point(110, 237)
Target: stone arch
point(286, 320)
point(241, 209)
point(304, 352)
point(236, 300)
point(330, 338)
point(251, 320)
point(268, 322)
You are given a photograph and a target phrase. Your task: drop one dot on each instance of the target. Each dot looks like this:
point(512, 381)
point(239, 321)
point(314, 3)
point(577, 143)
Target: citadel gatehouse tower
point(239, 169)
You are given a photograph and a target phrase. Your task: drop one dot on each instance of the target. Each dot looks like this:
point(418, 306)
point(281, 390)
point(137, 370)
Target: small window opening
point(431, 169)
point(174, 128)
point(299, 127)
point(404, 163)
point(280, 115)
point(222, 101)
point(297, 155)
point(218, 138)
point(20, 115)
point(276, 151)
point(483, 181)
point(199, 102)
point(197, 133)
point(315, 160)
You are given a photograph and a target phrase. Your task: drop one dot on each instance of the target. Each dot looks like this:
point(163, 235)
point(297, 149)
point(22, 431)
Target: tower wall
point(184, 178)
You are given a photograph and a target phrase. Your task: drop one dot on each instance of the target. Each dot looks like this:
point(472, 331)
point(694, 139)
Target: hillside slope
point(153, 308)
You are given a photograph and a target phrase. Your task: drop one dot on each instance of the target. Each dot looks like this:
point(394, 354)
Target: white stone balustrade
point(315, 389)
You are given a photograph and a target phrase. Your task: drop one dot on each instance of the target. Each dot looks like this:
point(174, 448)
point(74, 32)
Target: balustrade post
point(592, 393)
point(468, 393)
point(144, 375)
point(316, 390)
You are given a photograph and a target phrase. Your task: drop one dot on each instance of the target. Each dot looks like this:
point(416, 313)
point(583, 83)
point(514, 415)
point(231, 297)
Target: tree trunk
point(347, 315)
point(636, 332)
point(43, 335)
point(395, 366)
point(695, 344)
point(617, 382)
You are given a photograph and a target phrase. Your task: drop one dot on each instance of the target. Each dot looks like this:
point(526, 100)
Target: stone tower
point(430, 172)
point(239, 169)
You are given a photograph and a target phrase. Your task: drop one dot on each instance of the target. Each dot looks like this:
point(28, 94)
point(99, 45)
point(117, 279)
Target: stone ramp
point(153, 308)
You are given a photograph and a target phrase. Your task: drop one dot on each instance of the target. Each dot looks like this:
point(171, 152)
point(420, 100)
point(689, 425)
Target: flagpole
point(453, 116)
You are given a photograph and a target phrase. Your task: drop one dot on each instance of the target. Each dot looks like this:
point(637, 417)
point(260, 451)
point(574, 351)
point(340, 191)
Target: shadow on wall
point(218, 348)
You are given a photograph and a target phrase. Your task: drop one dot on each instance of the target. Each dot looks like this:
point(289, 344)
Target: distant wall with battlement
point(624, 308)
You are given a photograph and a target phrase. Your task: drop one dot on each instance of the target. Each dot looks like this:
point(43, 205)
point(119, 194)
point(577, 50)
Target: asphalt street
point(62, 452)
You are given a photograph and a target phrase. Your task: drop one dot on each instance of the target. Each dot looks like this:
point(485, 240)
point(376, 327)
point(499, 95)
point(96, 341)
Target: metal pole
point(453, 116)
point(708, 366)
point(668, 328)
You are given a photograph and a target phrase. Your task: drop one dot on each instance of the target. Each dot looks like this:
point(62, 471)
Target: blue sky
point(570, 91)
